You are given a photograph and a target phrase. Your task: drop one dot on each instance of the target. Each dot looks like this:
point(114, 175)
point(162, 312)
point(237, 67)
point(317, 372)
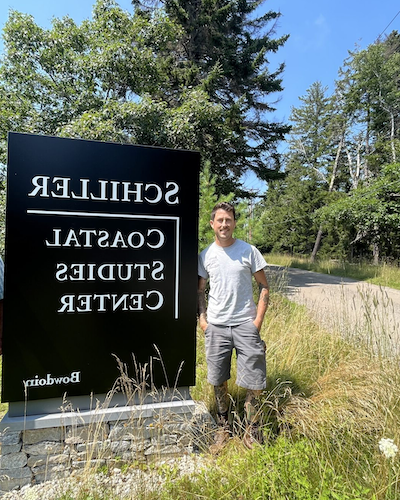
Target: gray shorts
point(250, 352)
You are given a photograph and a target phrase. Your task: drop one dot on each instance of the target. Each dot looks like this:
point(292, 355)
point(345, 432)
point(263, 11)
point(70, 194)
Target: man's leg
point(223, 433)
point(222, 398)
point(251, 374)
point(252, 406)
point(219, 347)
point(253, 432)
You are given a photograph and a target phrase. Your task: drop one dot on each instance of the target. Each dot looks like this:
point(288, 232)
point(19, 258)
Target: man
point(232, 319)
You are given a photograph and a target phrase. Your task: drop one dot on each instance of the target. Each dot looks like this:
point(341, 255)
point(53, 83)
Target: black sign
point(101, 265)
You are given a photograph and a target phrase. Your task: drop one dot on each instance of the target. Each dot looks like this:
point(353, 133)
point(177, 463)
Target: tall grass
point(383, 274)
point(328, 403)
point(330, 399)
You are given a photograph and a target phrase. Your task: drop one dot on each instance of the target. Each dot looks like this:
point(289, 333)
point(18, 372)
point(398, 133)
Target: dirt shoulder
point(355, 308)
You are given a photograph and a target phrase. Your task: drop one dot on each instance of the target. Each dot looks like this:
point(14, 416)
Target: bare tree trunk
point(392, 126)
point(367, 145)
point(375, 245)
point(392, 137)
point(316, 245)
point(335, 165)
point(375, 252)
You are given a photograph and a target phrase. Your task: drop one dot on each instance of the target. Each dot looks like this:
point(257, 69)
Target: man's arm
point(263, 299)
point(201, 303)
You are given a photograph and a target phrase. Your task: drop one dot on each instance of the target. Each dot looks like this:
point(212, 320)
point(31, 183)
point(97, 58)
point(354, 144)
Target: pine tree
point(224, 50)
point(317, 142)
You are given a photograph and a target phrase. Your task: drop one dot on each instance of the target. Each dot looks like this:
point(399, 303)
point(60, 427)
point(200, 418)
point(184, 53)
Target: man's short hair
point(224, 205)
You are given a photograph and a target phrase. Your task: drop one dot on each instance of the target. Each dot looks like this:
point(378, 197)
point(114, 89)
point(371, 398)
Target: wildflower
point(388, 448)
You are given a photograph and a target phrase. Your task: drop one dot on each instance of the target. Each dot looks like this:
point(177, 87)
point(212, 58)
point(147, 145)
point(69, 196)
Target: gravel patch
point(118, 484)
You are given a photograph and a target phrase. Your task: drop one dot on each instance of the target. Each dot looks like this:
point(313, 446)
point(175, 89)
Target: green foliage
point(227, 46)
point(313, 171)
point(287, 217)
point(288, 221)
point(368, 84)
point(310, 139)
point(54, 77)
point(146, 78)
point(152, 122)
point(284, 469)
point(341, 168)
point(372, 211)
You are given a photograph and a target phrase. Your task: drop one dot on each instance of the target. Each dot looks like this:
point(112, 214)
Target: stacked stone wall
point(32, 456)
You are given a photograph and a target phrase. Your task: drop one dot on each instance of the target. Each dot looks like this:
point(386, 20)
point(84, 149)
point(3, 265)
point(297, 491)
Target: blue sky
point(321, 34)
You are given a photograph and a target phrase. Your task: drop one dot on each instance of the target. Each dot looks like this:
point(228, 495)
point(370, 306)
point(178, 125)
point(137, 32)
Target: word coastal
point(87, 238)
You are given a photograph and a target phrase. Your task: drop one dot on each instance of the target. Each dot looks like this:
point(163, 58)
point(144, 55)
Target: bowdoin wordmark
point(74, 378)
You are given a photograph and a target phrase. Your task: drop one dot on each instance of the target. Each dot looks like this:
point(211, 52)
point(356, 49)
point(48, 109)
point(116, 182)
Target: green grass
point(328, 402)
point(283, 470)
point(383, 274)
point(327, 405)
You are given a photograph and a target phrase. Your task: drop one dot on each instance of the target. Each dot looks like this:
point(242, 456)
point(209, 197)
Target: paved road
point(355, 308)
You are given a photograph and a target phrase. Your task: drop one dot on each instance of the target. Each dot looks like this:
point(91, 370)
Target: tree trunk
point(316, 245)
point(375, 245)
point(375, 252)
point(367, 145)
point(318, 239)
point(392, 137)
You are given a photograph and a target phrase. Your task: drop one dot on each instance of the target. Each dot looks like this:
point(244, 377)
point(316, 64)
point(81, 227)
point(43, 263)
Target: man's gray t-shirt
point(230, 270)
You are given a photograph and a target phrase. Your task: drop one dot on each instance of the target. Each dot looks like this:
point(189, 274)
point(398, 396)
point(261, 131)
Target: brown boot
point(253, 436)
point(222, 434)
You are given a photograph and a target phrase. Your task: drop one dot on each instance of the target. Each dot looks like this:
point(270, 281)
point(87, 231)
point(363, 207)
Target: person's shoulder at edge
point(205, 250)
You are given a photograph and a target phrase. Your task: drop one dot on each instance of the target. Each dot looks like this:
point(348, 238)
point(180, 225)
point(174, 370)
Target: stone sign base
point(38, 448)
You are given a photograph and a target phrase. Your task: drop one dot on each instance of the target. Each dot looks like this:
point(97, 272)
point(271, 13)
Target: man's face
point(223, 225)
